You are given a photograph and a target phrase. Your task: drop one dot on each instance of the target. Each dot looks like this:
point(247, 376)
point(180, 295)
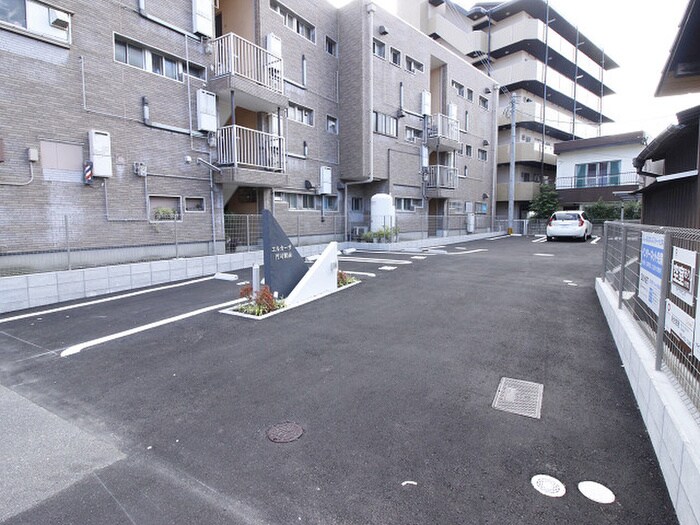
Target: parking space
point(392, 382)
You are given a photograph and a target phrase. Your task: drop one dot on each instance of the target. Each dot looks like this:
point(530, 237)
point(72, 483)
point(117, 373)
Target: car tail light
point(550, 221)
point(580, 221)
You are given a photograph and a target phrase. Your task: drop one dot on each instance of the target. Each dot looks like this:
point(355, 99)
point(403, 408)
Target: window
point(525, 176)
point(61, 162)
point(194, 204)
point(481, 208)
point(470, 95)
point(466, 172)
point(331, 47)
point(414, 135)
point(356, 204)
point(298, 201)
point(155, 62)
point(413, 65)
point(406, 204)
point(396, 57)
point(164, 208)
point(466, 120)
point(379, 48)
point(37, 18)
point(330, 202)
point(300, 114)
point(468, 150)
point(303, 70)
point(455, 206)
point(596, 174)
point(458, 87)
point(482, 154)
point(385, 124)
point(483, 102)
point(294, 21)
point(331, 124)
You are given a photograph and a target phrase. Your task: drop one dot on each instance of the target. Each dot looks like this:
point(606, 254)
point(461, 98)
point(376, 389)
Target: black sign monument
point(284, 267)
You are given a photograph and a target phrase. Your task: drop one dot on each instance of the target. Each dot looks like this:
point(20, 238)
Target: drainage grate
point(284, 432)
point(519, 397)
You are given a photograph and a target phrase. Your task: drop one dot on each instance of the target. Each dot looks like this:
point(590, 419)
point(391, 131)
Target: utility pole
point(511, 178)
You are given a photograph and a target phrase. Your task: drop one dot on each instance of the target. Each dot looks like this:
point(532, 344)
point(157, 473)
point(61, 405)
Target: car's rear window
point(566, 216)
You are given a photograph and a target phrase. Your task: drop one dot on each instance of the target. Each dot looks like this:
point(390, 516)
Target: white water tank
point(382, 212)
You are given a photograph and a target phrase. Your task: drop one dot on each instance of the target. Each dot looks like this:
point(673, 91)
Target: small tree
point(633, 210)
point(546, 203)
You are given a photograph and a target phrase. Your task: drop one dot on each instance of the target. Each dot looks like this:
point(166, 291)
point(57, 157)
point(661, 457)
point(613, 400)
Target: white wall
point(566, 162)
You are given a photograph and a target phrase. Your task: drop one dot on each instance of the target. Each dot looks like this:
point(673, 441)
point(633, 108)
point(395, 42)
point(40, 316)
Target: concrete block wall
point(673, 429)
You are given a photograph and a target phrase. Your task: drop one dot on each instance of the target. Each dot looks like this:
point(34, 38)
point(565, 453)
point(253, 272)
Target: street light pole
point(511, 178)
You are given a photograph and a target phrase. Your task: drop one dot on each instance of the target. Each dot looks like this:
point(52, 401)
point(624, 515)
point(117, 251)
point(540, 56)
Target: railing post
point(665, 278)
point(623, 265)
point(605, 250)
point(65, 222)
point(298, 230)
point(247, 232)
point(177, 246)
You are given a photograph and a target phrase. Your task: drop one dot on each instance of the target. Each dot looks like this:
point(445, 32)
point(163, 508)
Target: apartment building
point(166, 116)
point(556, 74)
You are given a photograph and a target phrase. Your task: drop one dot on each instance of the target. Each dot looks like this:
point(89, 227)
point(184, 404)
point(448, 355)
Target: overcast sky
point(638, 35)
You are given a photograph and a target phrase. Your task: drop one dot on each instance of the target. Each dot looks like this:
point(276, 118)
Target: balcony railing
point(619, 179)
point(442, 177)
point(442, 126)
point(248, 148)
point(234, 55)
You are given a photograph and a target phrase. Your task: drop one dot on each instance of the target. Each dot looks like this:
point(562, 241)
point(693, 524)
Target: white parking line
point(544, 254)
point(74, 349)
point(496, 238)
point(595, 240)
point(541, 238)
point(99, 301)
point(470, 251)
point(419, 257)
point(366, 274)
point(373, 261)
point(387, 268)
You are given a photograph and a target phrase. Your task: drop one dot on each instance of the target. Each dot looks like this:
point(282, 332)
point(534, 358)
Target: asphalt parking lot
point(392, 381)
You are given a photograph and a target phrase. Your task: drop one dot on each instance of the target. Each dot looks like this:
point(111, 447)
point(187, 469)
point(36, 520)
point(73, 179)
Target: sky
point(638, 35)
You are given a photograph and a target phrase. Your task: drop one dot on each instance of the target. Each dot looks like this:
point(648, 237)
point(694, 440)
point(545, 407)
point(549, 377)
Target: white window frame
point(468, 150)
point(151, 210)
point(39, 25)
point(148, 56)
point(482, 155)
point(470, 95)
point(294, 22)
point(413, 135)
point(360, 200)
point(459, 88)
point(384, 124)
point(202, 199)
point(300, 114)
point(483, 102)
point(393, 53)
point(334, 46)
point(378, 48)
point(413, 65)
point(330, 119)
point(327, 199)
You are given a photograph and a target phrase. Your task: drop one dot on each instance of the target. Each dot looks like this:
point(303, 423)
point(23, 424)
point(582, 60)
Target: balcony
point(619, 179)
point(444, 177)
point(524, 191)
point(527, 152)
point(248, 149)
point(254, 73)
point(443, 132)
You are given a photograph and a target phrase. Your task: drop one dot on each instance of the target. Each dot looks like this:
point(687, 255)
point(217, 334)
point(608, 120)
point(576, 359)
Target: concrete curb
point(672, 428)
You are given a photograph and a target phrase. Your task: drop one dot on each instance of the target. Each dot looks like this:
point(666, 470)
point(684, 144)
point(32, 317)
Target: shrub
point(344, 279)
point(263, 303)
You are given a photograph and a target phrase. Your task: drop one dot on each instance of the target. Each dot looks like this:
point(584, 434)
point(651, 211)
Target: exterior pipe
point(371, 9)
point(494, 156)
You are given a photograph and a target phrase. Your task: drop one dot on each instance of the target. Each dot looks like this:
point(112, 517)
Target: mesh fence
point(69, 242)
point(654, 272)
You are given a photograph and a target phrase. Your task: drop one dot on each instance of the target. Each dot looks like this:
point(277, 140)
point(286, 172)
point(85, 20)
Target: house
point(556, 74)
point(673, 199)
point(169, 121)
point(598, 168)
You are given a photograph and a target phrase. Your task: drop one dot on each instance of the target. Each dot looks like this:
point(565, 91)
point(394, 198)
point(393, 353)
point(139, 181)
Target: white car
point(573, 224)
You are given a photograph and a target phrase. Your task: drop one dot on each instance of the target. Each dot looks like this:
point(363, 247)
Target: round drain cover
point(596, 492)
point(548, 486)
point(284, 432)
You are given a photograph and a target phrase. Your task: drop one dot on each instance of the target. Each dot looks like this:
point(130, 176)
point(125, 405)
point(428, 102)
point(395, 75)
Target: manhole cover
point(596, 492)
point(284, 432)
point(548, 486)
point(519, 397)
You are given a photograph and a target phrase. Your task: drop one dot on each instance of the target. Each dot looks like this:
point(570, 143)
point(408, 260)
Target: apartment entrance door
point(436, 216)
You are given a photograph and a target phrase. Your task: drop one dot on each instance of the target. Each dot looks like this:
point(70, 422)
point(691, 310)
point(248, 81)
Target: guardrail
point(442, 177)
point(234, 55)
point(239, 146)
point(619, 179)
